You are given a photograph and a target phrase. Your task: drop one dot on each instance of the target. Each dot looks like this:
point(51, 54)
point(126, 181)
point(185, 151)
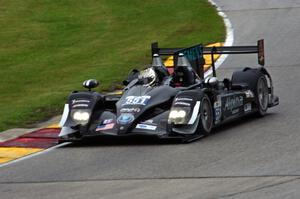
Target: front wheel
point(206, 116)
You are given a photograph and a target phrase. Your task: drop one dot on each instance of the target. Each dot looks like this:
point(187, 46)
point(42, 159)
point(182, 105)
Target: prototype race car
point(180, 105)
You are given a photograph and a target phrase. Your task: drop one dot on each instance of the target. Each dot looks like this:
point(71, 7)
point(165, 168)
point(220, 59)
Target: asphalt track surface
point(250, 158)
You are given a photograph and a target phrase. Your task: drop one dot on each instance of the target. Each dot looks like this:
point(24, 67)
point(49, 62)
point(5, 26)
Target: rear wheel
point(257, 83)
point(262, 95)
point(206, 116)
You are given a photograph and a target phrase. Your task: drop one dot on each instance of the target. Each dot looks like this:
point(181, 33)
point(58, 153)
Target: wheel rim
point(263, 94)
point(206, 115)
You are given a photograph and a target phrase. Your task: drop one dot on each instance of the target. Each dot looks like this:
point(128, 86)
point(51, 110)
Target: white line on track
point(229, 37)
point(34, 154)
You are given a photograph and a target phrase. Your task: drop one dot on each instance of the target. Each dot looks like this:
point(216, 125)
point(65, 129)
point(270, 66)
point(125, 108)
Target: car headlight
point(177, 116)
point(81, 116)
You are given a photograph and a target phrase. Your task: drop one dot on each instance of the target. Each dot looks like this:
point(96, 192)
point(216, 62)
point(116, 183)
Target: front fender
point(83, 100)
point(189, 101)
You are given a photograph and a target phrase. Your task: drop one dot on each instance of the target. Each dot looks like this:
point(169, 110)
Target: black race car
point(180, 105)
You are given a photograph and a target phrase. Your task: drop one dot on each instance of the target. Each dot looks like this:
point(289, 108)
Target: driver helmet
point(148, 76)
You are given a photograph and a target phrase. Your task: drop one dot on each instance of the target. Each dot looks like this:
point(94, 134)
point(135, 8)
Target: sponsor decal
point(75, 101)
point(247, 107)
point(146, 126)
point(218, 102)
point(130, 110)
point(80, 105)
point(233, 102)
point(125, 118)
point(103, 127)
point(182, 103)
point(183, 99)
point(218, 114)
point(107, 121)
point(193, 53)
point(112, 98)
point(249, 94)
point(217, 109)
point(137, 100)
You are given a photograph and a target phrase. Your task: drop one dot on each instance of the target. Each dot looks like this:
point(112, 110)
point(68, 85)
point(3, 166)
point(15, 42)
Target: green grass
point(48, 47)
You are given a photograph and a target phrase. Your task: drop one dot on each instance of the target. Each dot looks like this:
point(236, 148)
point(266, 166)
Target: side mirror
point(89, 84)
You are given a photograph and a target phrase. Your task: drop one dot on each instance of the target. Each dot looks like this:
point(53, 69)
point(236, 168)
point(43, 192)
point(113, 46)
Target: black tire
point(262, 95)
point(206, 117)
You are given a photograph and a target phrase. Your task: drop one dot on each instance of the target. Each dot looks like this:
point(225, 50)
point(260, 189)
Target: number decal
point(137, 100)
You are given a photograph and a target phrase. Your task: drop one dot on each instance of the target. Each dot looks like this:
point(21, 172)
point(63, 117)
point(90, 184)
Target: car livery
point(180, 105)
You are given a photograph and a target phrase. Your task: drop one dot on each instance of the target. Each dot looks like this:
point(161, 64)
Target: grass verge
point(48, 47)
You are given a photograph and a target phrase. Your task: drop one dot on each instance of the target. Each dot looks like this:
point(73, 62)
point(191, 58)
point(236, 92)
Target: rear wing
point(195, 53)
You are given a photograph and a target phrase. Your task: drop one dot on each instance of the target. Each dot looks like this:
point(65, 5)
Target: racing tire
point(262, 95)
point(206, 117)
